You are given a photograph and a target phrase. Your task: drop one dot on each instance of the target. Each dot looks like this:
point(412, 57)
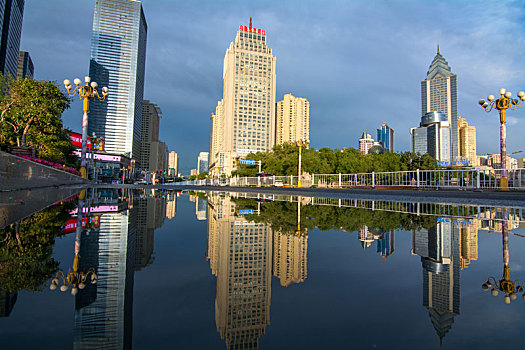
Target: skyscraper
point(292, 119)
point(25, 68)
point(432, 136)
point(385, 135)
point(467, 142)
point(216, 133)
point(439, 94)
point(173, 163)
point(248, 98)
point(118, 56)
point(151, 114)
point(11, 15)
point(203, 162)
point(365, 143)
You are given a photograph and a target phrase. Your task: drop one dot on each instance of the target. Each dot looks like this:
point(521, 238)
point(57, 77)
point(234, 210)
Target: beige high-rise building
point(292, 119)
point(365, 143)
point(289, 257)
point(467, 142)
point(469, 243)
point(173, 163)
point(248, 115)
point(216, 132)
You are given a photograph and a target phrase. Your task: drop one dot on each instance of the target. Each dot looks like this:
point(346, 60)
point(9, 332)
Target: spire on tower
point(437, 52)
point(251, 24)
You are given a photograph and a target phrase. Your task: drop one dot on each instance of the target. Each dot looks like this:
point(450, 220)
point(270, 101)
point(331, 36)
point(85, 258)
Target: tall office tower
point(385, 135)
point(216, 133)
point(173, 163)
point(25, 68)
point(467, 142)
point(203, 161)
point(240, 254)
point(432, 136)
point(248, 98)
point(386, 244)
point(118, 57)
point(439, 93)
point(292, 119)
point(12, 14)
point(440, 258)
point(365, 143)
point(289, 257)
point(104, 312)
point(152, 150)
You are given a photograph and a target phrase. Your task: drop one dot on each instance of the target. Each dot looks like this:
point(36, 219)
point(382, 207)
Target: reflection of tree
point(283, 217)
point(26, 248)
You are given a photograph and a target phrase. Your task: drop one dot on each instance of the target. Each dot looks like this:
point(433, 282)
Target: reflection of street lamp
point(74, 277)
point(85, 92)
point(300, 143)
point(510, 288)
point(502, 104)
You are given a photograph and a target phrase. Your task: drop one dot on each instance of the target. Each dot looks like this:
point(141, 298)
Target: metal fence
point(470, 179)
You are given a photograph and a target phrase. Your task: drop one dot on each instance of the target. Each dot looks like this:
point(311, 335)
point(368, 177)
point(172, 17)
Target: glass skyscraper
point(439, 94)
point(385, 135)
point(118, 57)
point(11, 16)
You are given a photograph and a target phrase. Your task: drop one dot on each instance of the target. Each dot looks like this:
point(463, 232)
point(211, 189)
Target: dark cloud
point(357, 62)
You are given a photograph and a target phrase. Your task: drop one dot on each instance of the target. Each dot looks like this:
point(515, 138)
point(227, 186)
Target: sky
point(358, 62)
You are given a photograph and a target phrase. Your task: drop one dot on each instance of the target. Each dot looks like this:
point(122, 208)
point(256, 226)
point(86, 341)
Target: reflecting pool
point(158, 269)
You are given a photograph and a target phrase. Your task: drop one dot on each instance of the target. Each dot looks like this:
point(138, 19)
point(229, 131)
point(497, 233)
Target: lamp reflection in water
point(74, 277)
point(505, 284)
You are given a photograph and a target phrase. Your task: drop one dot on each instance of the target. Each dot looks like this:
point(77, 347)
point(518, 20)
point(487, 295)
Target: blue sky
point(357, 62)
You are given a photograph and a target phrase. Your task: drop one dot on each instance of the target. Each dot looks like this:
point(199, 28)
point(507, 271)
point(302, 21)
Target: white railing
point(470, 179)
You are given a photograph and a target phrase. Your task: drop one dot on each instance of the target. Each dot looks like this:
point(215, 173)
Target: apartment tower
point(439, 94)
point(118, 57)
point(248, 115)
point(467, 142)
point(292, 119)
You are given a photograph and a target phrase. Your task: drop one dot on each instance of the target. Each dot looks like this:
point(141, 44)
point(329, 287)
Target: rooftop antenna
point(251, 25)
point(438, 49)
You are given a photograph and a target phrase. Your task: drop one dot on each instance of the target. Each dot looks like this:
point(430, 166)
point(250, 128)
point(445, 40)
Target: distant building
point(201, 208)
point(292, 119)
point(118, 57)
point(248, 103)
point(467, 142)
point(386, 244)
point(25, 69)
point(11, 16)
point(171, 205)
point(216, 132)
point(385, 135)
point(203, 162)
point(439, 94)
point(365, 143)
point(521, 163)
point(432, 136)
point(153, 152)
point(193, 172)
point(173, 164)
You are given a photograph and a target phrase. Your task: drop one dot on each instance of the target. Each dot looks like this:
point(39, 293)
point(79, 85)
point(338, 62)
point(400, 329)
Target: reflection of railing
point(470, 179)
point(468, 212)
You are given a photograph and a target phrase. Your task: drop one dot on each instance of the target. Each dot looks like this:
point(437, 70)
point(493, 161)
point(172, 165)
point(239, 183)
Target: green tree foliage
point(283, 160)
point(30, 116)
point(26, 248)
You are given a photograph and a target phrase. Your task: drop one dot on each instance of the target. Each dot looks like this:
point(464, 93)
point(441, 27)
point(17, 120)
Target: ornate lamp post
point(505, 285)
point(300, 143)
point(502, 104)
point(74, 278)
point(85, 92)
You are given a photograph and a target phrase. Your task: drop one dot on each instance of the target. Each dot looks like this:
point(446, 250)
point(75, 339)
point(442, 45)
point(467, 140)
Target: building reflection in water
point(122, 244)
point(240, 254)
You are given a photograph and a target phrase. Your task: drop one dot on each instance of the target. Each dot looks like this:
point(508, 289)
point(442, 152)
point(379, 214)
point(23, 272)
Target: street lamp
point(502, 104)
point(74, 278)
point(85, 92)
point(300, 143)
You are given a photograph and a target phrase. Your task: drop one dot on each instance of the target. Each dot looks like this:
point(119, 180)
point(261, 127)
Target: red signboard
point(71, 224)
point(76, 140)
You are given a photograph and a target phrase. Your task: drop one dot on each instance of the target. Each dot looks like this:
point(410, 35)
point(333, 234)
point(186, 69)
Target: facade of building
point(12, 14)
point(203, 162)
point(292, 119)
point(25, 68)
point(216, 132)
point(248, 104)
point(432, 136)
point(173, 164)
point(365, 143)
point(290, 257)
point(385, 136)
point(467, 142)
point(118, 56)
point(439, 94)
point(151, 114)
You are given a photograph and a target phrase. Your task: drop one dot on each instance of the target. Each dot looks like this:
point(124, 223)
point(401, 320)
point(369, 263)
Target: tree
point(30, 115)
